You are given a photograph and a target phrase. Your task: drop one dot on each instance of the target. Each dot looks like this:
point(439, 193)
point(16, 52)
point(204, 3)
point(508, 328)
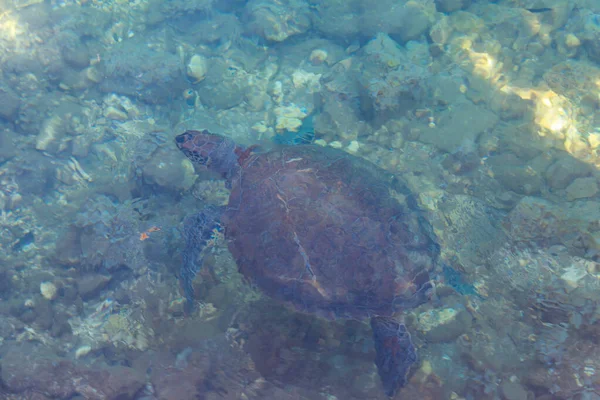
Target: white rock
point(197, 68)
point(353, 146)
point(51, 131)
point(318, 56)
point(83, 351)
point(572, 276)
point(48, 290)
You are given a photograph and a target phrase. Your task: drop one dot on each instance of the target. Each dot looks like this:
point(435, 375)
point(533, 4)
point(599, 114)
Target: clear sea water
point(479, 120)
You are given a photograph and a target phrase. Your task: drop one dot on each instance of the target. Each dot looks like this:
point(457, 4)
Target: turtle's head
point(210, 151)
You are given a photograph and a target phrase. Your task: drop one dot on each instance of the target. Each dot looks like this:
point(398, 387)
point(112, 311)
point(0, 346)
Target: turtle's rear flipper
point(395, 353)
point(198, 230)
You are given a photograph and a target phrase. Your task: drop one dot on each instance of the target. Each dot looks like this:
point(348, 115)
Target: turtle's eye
point(181, 138)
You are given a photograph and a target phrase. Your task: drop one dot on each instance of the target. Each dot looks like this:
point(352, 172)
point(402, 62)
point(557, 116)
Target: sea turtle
point(322, 230)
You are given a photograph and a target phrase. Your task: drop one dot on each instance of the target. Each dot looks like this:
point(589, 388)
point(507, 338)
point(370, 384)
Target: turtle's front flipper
point(198, 230)
point(395, 353)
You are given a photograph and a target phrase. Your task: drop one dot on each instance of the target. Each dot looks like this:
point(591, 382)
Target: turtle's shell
point(321, 229)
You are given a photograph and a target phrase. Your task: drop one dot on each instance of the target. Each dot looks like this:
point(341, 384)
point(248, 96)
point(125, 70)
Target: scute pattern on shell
point(319, 228)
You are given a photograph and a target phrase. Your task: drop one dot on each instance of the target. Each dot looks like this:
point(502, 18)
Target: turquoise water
point(479, 120)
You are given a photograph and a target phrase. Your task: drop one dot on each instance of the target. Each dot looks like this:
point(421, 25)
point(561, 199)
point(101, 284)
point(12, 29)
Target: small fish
point(539, 10)
point(146, 235)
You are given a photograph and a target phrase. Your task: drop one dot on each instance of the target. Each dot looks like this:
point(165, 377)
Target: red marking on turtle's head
point(211, 151)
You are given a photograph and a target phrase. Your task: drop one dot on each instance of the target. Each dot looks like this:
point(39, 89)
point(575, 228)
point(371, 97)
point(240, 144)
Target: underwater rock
point(49, 136)
point(197, 68)
point(115, 114)
point(574, 79)
point(107, 235)
point(574, 368)
point(28, 369)
point(256, 99)
point(165, 10)
point(60, 325)
point(83, 351)
point(318, 57)
point(278, 20)
point(67, 119)
point(7, 147)
point(337, 19)
point(591, 36)
point(92, 75)
point(9, 103)
point(74, 51)
point(308, 81)
point(120, 108)
point(403, 21)
point(211, 366)
point(224, 86)
point(460, 163)
point(572, 277)
point(90, 285)
point(68, 252)
point(572, 41)
point(48, 290)
point(407, 22)
point(582, 188)
point(441, 31)
point(348, 19)
point(393, 79)
point(544, 223)
point(444, 325)
point(565, 170)
point(218, 29)
point(133, 68)
point(289, 118)
point(82, 80)
point(50, 57)
point(472, 227)
point(338, 119)
point(515, 175)
point(513, 391)
point(44, 313)
point(385, 52)
point(534, 219)
point(172, 172)
point(463, 124)
point(448, 6)
point(37, 175)
point(88, 22)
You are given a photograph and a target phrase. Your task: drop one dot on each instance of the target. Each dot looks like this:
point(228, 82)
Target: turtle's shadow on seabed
point(314, 356)
point(296, 349)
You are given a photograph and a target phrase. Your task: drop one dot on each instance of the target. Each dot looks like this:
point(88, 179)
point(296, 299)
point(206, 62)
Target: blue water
point(391, 199)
